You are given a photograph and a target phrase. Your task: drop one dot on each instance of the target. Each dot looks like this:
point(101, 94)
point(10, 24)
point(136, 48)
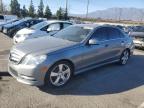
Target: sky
point(79, 6)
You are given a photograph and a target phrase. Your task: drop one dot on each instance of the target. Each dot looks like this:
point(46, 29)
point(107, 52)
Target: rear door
point(116, 43)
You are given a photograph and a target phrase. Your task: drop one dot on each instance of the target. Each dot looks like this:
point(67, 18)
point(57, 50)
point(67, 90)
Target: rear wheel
point(59, 74)
point(124, 57)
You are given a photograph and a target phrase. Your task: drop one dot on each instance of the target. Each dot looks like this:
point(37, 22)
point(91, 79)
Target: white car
point(6, 18)
point(44, 28)
point(139, 41)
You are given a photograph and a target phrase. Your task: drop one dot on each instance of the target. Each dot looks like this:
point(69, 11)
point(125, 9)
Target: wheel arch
point(128, 51)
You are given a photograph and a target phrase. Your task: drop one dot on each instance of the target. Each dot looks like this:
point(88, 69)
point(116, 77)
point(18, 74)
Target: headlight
point(34, 60)
point(23, 37)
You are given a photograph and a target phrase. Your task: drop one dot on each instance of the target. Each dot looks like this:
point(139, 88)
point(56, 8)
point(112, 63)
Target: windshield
point(74, 33)
point(39, 25)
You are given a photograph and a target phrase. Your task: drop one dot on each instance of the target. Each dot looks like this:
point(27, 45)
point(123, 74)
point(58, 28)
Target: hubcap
point(125, 57)
point(60, 74)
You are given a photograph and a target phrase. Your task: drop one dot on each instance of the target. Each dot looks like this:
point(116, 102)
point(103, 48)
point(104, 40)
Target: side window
point(54, 27)
point(114, 33)
point(100, 34)
point(66, 25)
point(45, 28)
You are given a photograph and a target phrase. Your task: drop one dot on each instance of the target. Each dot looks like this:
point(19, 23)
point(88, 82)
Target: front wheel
point(124, 57)
point(59, 74)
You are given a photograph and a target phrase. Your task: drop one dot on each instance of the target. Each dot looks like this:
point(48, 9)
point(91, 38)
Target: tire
point(124, 57)
point(59, 74)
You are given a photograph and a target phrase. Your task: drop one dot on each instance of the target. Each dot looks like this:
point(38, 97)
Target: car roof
point(94, 25)
point(53, 21)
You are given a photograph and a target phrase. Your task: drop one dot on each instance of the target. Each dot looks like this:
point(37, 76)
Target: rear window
point(114, 33)
point(100, 34)
point(66, 25)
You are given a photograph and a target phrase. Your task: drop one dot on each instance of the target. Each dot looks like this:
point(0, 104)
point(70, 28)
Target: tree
point(15, 7)
point(60, 14)
point(31, 11)
point(40, 9)
point(48, 13)
point(1, 7)
point(24, 11)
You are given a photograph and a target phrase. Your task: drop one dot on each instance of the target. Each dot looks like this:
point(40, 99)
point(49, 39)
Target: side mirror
point(49, 30)
point(93, 42)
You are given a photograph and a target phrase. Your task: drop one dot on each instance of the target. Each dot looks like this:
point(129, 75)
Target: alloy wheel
point(60, 74)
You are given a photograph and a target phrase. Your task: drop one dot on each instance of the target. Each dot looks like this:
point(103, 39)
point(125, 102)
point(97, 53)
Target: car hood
point(25, 31)
point(43, 44)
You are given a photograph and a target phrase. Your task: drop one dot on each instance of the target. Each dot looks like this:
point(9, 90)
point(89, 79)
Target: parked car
point(76, 21)
point(138, 41)
point(11, 29)
point(41, 29)
point(137, 31)
point(5, 23)
point(52, 60)
point(5, 18)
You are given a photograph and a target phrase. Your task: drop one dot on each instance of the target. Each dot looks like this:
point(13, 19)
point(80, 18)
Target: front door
point(98, 53)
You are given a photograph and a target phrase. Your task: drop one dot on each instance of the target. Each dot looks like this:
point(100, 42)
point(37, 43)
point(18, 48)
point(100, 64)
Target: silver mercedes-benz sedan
point(53, 60)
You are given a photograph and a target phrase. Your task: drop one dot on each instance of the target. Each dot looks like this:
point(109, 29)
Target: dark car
point(8, 22)
point(11, 29)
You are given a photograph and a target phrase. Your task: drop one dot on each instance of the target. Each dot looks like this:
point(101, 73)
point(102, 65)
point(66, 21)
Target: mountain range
point(134, 14)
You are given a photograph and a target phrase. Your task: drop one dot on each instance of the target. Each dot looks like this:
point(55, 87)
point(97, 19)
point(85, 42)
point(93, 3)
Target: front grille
point(15, 56)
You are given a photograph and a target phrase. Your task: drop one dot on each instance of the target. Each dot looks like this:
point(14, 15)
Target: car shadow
point(3, 74)
point(108, 79)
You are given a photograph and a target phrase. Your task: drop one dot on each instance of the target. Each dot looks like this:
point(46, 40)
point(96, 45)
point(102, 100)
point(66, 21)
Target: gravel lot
point(111, 86)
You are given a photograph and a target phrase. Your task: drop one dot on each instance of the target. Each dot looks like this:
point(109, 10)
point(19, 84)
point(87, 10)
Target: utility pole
point(120, 14)
point(87, 9)
point(66, 4)
point(66, 10)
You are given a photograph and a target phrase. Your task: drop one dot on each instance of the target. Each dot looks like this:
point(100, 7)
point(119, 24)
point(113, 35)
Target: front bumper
point(27, 74)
